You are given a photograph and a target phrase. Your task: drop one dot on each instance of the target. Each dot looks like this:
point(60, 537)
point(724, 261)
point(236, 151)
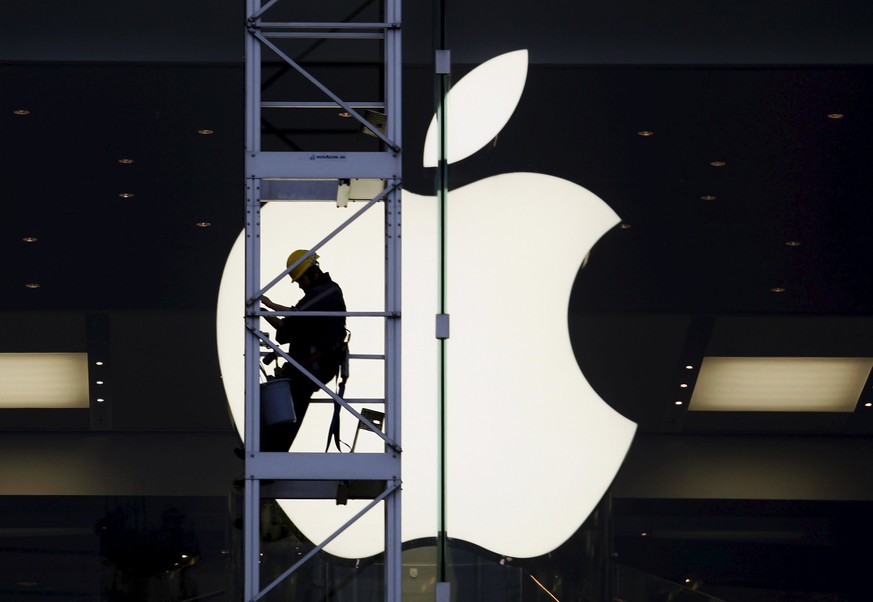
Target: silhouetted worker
point(316, 342)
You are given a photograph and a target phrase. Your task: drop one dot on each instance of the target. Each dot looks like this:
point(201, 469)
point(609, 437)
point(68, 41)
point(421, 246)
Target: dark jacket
point(316, 341)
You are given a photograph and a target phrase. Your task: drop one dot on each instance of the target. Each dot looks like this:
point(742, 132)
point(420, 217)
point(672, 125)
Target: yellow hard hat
point(301, 268)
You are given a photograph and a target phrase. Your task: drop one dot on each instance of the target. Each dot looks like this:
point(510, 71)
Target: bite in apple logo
point(531, 448)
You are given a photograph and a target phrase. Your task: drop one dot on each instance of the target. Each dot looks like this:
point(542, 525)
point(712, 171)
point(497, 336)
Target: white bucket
point(276, 404)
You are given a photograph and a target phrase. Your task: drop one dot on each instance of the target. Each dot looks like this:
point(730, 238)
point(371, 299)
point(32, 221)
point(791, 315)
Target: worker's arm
point(274, 321)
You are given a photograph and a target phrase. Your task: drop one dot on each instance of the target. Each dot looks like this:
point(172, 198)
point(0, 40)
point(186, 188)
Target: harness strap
point(333, 431)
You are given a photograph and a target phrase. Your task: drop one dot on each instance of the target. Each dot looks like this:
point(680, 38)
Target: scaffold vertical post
point(295, 166)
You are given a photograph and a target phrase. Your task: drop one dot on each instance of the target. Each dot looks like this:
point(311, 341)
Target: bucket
point(276, 404)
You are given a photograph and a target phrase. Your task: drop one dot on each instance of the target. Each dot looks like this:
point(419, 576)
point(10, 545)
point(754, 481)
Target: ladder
point(289, 158)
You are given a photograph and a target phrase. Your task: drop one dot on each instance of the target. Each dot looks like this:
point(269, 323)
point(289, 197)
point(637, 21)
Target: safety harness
point(333, 431)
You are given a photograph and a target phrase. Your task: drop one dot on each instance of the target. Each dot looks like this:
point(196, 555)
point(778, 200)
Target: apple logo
point(531, 448)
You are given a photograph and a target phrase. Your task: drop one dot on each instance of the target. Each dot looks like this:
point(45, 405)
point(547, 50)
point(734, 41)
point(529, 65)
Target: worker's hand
point(274, 306)
point(273, 321)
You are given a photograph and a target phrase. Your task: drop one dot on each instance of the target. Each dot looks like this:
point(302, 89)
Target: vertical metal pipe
point(441, 184)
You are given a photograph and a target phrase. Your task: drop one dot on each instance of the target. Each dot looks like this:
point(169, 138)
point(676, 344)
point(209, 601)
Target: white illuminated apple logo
point(531, 447)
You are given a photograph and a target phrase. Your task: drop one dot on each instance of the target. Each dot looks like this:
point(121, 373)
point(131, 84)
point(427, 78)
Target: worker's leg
point(301, 394)
point(277, 437)
point(281, 436)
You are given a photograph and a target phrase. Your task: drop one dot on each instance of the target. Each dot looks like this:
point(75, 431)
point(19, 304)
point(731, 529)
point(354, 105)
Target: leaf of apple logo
point(479, 105)
point(531, 447)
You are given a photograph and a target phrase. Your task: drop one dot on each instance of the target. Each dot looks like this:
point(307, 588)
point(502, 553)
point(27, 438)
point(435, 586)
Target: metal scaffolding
point(288, 39)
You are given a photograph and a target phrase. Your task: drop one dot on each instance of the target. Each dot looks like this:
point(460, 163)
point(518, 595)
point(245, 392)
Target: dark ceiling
point(750, 85)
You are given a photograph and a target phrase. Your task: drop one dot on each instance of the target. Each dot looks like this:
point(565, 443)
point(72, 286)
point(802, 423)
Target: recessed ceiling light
point(708, 197)
point(678, 402)
point(99, 400)
point(21, 112)
point(126, 195)
point(645, 133)
point(684, 385)
point(792, 243)
point(835, 115)
point(98, 363)
point(29, 238)
point(689, 367)
point(32, 285)
point(125, 161)
point(777, 289)
point(345, 114)
point(206, 132)
point(717, 163)
point(868, 404)
point(625, 226)
point(203, 224)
